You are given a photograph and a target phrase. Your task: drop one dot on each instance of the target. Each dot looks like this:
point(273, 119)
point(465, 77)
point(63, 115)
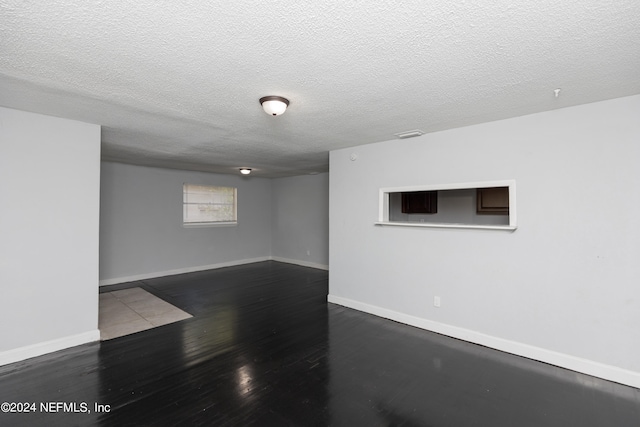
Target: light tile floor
point(133, 310)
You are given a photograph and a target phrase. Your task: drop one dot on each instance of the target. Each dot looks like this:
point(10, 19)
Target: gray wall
point(562, 288)
point(141, 232)
point(49, 187)
point(300, 219)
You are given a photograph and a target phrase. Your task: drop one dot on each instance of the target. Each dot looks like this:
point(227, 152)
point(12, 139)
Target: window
point(205, 205)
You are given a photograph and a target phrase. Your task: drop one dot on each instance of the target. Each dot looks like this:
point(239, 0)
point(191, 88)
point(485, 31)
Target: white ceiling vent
point(409, 134)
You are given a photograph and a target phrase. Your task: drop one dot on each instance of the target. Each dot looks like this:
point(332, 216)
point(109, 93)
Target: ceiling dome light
point(274, 105)
point(245, 171)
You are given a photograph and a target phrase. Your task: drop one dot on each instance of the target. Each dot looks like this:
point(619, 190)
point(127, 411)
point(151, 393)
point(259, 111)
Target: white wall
point(141, 232)
point(49, 187)
point(562, 288)
point(300, 220)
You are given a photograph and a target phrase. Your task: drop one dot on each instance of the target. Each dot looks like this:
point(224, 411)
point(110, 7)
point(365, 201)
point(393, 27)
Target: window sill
point(445, 225)
point(209, 224)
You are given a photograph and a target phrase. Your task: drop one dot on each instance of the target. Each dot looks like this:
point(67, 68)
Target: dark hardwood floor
point(264, 348)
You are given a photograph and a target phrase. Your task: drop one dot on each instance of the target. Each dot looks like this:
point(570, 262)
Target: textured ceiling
point(176, 84)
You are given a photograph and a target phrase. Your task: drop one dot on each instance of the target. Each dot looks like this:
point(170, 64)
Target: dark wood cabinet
point(493, 201)
point(420, 202)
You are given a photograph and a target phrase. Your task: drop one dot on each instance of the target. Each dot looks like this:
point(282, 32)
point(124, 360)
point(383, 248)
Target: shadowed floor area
point(264, 348)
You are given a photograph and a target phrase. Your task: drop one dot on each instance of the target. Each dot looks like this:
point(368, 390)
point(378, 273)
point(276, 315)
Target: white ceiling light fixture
point(245, 171)
point(274, 105)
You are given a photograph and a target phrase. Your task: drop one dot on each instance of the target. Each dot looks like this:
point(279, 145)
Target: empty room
point(319, 214)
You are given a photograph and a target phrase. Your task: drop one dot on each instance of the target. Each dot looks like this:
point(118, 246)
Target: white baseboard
point(302, 263)
point(116, 280)
point(125, 279)
point(34, 350)
point(589, 367)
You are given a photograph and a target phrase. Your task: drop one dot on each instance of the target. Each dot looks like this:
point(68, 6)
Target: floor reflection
point(264, 348)
point(384, 373)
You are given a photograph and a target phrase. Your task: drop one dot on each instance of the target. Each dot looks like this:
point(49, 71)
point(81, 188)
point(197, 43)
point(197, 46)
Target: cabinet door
point(420, 202)
point(493, 201)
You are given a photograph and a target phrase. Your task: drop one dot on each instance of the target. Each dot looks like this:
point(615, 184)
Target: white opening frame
point(383, 202)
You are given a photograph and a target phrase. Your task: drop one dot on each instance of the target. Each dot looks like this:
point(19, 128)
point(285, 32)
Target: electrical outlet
point(436, 301)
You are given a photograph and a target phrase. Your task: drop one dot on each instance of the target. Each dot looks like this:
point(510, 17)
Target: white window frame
point(383, 204)
point(188, 224)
